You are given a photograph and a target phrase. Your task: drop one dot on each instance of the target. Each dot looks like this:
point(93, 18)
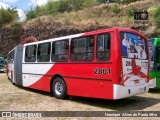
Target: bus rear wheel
point(59, 88)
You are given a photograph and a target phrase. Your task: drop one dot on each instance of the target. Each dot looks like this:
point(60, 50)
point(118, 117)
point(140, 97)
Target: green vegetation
point(156, 16)
point(129, 12)
point(7, 16)
point(53, 7)
point(30, 14)
point(116, 9)
point(124, 1)
point(17, 25)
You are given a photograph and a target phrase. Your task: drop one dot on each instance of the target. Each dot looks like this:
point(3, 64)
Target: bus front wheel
point(59, 88)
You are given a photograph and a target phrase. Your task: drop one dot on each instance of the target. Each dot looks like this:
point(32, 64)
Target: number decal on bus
point(102, 71)
point(129, 63)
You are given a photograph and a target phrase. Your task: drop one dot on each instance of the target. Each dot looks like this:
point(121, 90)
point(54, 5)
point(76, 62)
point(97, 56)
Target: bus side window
point(60, 51)
point(43, 54)
point(30, 53)
point(82, 48)
point(10, 57)
point(103, 46)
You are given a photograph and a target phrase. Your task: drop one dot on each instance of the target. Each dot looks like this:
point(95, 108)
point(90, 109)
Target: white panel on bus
point(26, 80)
point(29, 68)
point(33, 79)
point(42, 69)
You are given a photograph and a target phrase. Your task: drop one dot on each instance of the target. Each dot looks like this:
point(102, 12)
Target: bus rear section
point(134, 73)
point(154, 49)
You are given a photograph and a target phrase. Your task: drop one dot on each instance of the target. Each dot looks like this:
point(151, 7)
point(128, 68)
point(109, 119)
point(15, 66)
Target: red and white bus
point(108, 64)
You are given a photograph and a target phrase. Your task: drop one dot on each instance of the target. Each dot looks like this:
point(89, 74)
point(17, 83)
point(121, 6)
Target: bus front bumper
point(123, 91)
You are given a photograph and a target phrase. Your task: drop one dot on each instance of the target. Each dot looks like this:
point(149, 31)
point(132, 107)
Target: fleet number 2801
point(102, 71)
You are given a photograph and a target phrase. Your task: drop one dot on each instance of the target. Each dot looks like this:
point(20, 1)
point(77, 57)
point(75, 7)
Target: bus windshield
point(133, 46)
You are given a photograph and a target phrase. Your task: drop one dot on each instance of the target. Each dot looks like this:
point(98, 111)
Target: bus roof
point(87, 33)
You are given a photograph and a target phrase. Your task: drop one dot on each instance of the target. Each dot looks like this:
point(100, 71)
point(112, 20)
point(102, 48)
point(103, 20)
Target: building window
point(60, 51)
point(43, 54)
point(30, 53)
point(82, 48)
point(103, 46)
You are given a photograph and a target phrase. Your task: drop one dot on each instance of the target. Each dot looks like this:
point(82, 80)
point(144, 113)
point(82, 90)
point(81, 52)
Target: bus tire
point(59, 88)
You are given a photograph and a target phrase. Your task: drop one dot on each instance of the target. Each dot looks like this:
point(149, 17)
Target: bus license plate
point(136, 81)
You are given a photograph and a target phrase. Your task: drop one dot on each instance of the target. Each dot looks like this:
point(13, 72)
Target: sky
point(21, 5)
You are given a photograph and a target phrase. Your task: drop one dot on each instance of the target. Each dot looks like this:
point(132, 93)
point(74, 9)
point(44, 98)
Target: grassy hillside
point(105, 15)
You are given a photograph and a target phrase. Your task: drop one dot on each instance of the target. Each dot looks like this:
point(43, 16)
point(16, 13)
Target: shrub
point(157, 20)
point(17, 24)
point(90, 3)
point(116, 9)
point(154, 14)
point(129, 12)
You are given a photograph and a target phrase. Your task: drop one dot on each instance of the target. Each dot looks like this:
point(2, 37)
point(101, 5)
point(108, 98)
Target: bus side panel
point(90, 88)
point(80, 79)
point(18, 65)
point(42, 83)
point(35, 76)
point(83, 81)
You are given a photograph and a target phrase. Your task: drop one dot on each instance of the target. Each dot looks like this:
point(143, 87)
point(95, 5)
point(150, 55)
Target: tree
point(52, 7)
point(30, 14)
point(8, 16)
point(90, 3)
point(103, 1)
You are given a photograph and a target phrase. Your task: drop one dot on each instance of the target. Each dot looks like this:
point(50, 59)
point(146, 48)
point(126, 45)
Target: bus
point(154, 48)
point(108, 64)
point(2, 64)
